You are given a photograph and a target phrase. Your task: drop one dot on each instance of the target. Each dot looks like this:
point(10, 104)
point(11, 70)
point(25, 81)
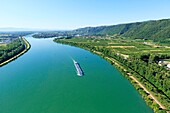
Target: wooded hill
point(157, 30)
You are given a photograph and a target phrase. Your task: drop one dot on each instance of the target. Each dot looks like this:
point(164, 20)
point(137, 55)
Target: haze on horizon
point(72, 14)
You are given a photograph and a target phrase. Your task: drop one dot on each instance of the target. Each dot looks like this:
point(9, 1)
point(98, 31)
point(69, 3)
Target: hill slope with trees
point(156, 30)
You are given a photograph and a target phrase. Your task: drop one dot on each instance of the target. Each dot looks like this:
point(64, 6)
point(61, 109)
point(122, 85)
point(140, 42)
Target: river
point(44, 80)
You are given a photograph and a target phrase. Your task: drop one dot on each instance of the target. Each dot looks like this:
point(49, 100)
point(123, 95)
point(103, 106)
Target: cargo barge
point(78, 68)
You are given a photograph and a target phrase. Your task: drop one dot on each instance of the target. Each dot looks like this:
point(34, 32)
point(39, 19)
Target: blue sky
point(71, 14)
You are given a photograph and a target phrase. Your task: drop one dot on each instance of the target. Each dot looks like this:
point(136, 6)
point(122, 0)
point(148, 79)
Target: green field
point(2, 45)
point(124, 46)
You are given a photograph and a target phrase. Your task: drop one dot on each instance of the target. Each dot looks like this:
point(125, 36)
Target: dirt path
point(150, 94)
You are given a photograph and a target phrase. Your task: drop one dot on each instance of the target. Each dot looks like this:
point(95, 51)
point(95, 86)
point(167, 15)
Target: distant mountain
point(155, 29)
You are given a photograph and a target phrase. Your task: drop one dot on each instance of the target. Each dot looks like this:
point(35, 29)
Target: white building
point(168, 66)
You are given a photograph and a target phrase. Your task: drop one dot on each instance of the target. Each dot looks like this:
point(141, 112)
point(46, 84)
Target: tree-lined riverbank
point(160, 104)
point(25, 46)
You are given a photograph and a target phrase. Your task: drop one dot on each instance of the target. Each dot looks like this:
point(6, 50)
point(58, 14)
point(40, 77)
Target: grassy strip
point(28, 46)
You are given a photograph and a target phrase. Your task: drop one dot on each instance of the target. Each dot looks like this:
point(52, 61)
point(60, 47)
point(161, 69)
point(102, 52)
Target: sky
point(72, 14)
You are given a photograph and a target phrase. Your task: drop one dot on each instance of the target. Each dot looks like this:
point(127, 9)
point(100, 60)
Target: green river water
point(44, 80)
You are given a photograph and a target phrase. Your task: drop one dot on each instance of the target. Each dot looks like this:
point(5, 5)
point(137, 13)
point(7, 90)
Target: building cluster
point(6, 40)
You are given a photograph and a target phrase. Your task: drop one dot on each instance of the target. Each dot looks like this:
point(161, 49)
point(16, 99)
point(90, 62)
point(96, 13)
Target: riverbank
point(27, 47)
point(134, 81)
point(132, 78)
point(140, 83)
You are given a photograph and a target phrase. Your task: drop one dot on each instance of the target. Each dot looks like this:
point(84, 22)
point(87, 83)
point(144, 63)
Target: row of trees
point(11, 49)
point(52, 34)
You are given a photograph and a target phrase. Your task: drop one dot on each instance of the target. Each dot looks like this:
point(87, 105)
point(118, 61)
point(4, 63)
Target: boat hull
point(78, 68)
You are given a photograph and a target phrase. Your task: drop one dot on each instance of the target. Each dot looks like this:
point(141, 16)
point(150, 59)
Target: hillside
point(106, 30)
point(157, 30)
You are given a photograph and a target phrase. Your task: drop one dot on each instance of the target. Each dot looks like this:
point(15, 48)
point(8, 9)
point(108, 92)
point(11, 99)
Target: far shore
point(28, 46)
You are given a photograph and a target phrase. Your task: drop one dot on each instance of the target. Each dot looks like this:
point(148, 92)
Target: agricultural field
point(124, 46)
point(2, 45)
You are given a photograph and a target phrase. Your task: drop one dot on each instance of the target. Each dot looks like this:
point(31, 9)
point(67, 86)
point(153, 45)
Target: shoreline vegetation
point(115, 63)
point(27, 47)
point(158, 102)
